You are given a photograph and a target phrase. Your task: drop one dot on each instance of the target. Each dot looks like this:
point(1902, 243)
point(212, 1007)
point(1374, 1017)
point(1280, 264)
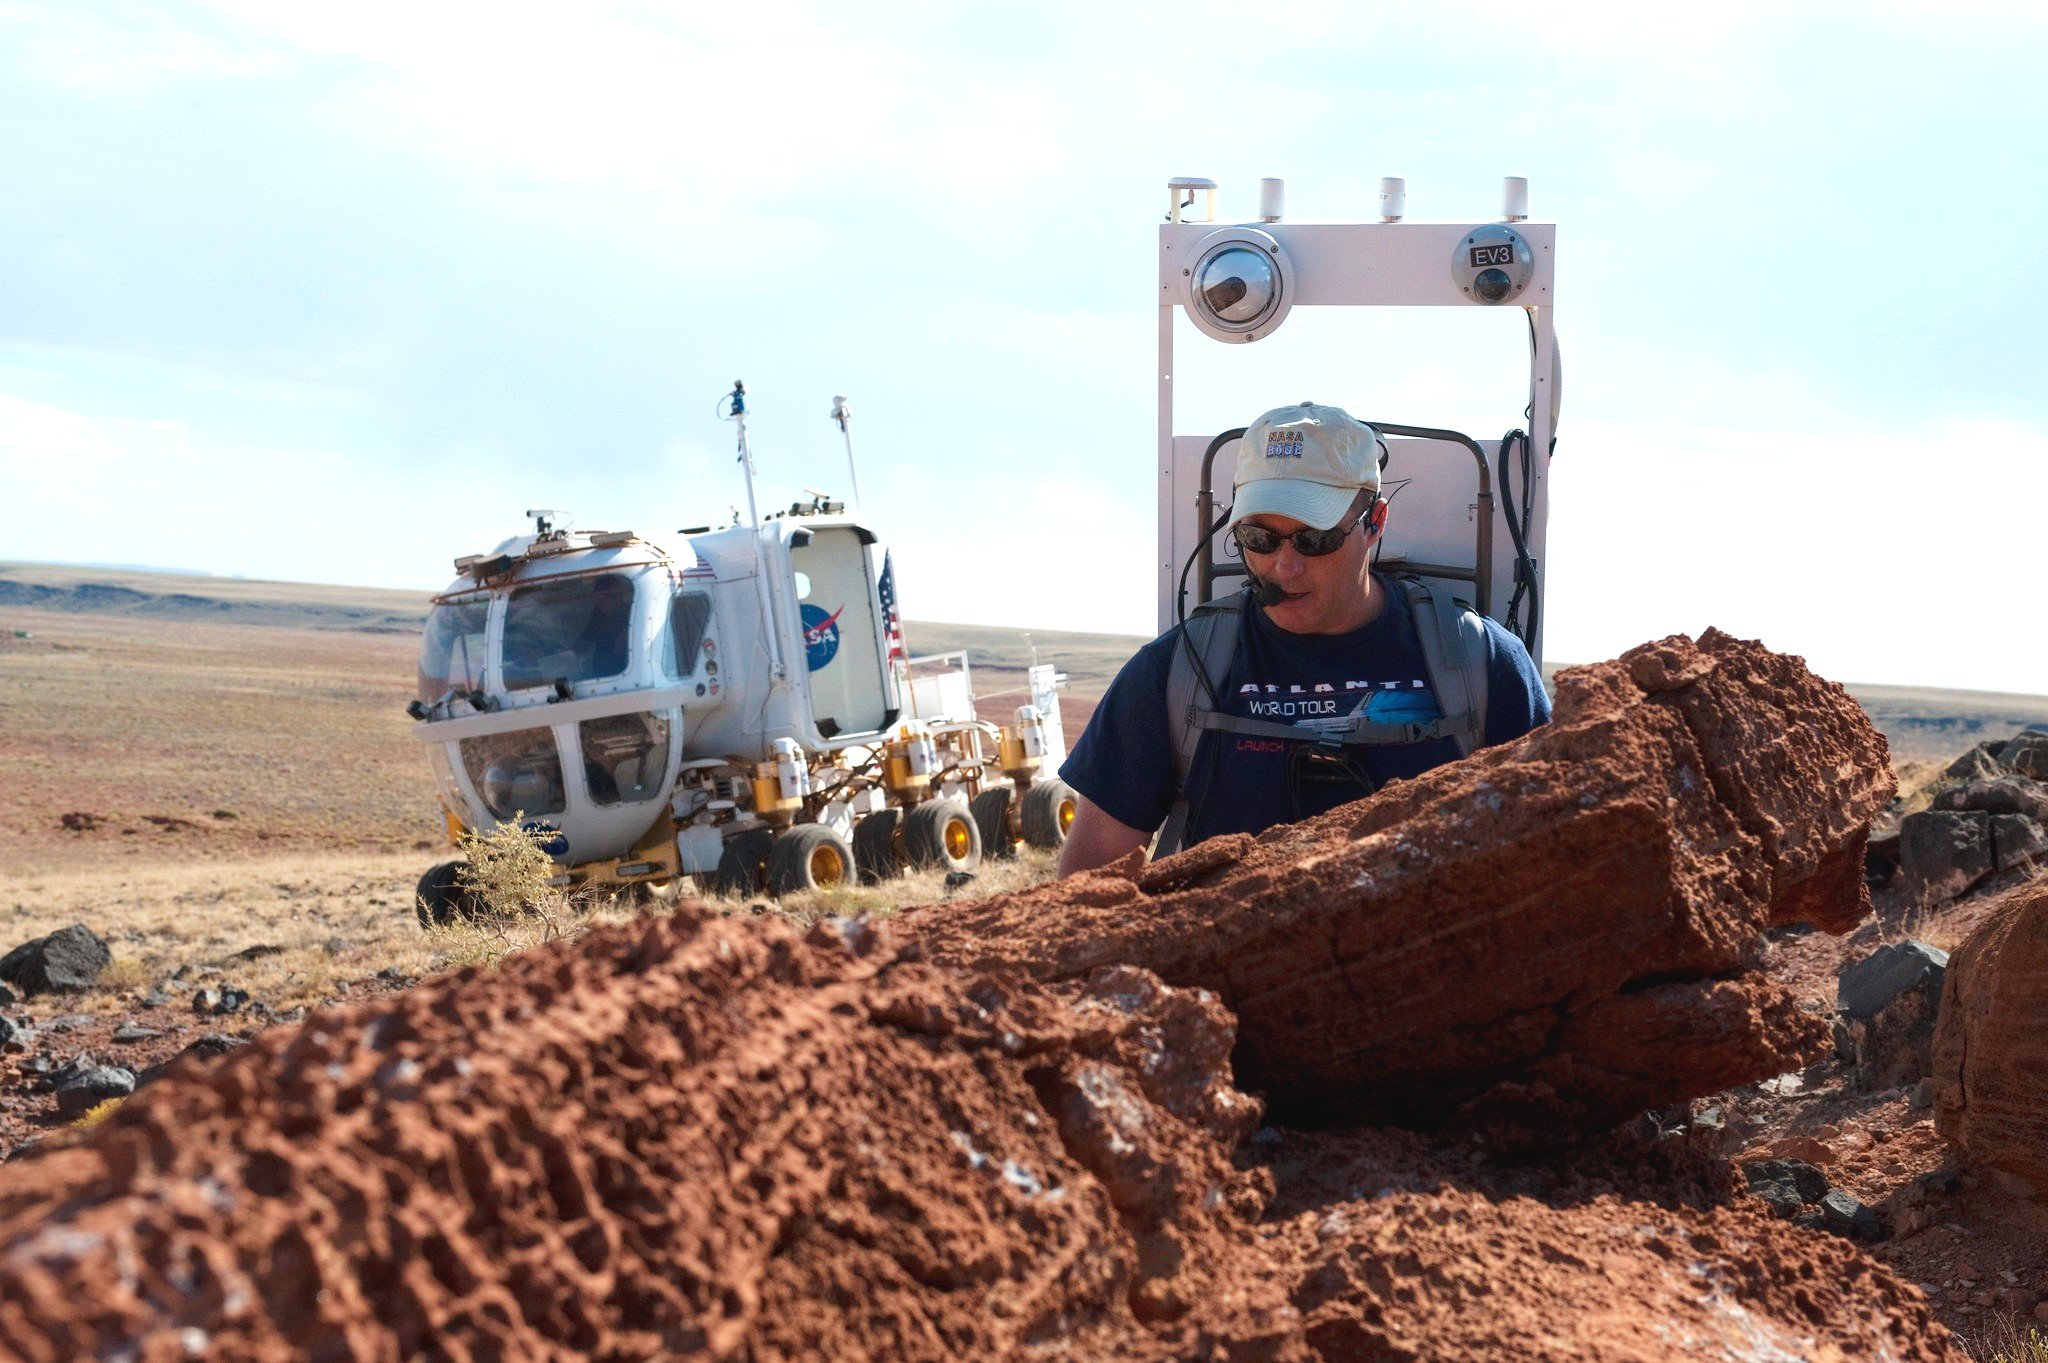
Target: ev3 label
point(1502, 253)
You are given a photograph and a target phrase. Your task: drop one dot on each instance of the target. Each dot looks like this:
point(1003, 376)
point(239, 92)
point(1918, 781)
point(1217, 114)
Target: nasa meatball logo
point(821, 635)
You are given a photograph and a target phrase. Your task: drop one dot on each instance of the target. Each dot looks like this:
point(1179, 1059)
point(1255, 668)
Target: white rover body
point(736, 705)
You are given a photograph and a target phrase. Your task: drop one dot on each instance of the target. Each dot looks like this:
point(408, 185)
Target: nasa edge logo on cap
point(1284, 443)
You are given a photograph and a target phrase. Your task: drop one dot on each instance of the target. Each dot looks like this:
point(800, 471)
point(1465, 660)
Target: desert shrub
point(508, 873)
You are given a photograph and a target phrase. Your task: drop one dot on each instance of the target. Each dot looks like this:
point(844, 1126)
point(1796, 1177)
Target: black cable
point(1518, 530)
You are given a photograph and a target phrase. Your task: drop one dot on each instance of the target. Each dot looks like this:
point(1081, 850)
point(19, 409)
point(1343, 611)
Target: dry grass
point(2004, 1340)
point(293, 930)
point(286, 929)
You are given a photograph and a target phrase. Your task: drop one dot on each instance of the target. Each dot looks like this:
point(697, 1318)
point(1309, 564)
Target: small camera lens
point(1492, 285)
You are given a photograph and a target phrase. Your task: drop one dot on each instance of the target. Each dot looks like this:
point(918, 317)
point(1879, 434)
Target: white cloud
point(1880, 553)
point(506, 255)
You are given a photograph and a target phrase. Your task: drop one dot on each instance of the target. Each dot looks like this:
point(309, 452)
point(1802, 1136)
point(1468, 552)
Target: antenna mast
point(738, 413)
point(842, 413)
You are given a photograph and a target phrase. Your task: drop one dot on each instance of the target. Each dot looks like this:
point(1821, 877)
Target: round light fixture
point(1493, 264)
point(1239, 287)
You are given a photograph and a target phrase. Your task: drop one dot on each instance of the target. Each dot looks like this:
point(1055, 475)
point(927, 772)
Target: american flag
point(892, 620)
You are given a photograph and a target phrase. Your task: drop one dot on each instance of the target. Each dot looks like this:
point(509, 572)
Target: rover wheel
point(1048, 812)
point(874, 846)
point(941, 834)
point(810, 856)
point(992, 817)
point(440, 898)
point(741, 864)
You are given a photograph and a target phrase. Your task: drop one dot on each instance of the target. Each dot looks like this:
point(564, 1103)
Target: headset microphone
point(1269, 593)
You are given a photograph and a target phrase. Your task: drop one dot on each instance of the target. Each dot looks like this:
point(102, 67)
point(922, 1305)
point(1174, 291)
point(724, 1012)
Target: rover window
point(624, 757)
point(689, 617)
point(519, 774)
point(570, 629)
point(452, 648)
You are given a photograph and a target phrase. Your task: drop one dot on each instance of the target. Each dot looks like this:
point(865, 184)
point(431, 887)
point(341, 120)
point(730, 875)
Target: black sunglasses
point(1309, 543)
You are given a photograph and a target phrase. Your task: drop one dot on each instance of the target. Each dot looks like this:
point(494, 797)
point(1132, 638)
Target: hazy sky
point(334, 292)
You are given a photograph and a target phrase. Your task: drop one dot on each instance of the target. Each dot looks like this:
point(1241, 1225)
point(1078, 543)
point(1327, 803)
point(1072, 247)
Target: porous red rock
point(1554, 933)
point(716, 1139)
point(696, 1139)
point(1991, 1040)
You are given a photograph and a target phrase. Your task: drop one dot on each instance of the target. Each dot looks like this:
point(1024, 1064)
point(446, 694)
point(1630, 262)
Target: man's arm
point(1096, 839)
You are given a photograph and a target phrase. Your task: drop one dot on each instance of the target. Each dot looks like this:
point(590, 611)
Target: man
point(1327, 690)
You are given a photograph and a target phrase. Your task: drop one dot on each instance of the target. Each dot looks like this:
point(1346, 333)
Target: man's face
point(1327, 594)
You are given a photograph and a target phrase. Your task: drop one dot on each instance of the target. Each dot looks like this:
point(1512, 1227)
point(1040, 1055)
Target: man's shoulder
point(1146, 670)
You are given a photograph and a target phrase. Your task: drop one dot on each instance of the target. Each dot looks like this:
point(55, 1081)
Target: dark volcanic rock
point(1889, 1002)
point(1864, 988)
point(1944, 853)
point(2017, 840)
point(67, 961)
point(2026, 754)
point(1785, 1185)
point(1978, 764)
point(1844, 1215)
point(2008, 794)
point(90, 1087)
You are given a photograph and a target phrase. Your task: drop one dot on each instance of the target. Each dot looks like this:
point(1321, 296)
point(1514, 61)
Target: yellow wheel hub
point(1066, 815)
point(959, 838)
point(828, 867)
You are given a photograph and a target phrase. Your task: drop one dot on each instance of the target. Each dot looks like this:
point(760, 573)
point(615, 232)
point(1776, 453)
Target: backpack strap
point(1455, 653)
point(1210, 633)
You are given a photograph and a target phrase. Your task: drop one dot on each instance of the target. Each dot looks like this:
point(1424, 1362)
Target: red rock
point(1801, 1148)
point(716, 1139)
point(1991, 1042)
point(1554, 933)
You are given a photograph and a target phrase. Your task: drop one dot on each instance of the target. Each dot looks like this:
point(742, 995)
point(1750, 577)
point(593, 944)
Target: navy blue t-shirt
point(1241, 784)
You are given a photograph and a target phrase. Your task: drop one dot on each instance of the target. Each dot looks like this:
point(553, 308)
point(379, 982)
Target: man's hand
point(1096, 839)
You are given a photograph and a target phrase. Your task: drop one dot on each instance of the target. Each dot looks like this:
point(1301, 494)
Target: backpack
point(1454, 653)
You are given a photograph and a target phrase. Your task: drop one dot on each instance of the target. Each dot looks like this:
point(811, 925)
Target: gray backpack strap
point(1455, 652)
point(1211, 633)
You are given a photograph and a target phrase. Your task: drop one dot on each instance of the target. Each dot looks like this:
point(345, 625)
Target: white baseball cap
point(1306, 462)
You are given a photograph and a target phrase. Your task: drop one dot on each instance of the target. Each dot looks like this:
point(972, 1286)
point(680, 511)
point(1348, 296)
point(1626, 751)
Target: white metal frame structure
point(1452, 517)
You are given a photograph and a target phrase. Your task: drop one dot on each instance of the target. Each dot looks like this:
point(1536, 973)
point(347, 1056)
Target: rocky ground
point(1159, 1112)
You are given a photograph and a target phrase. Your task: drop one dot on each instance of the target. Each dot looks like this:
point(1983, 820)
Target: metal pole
point(746, 459)
point(842, 413)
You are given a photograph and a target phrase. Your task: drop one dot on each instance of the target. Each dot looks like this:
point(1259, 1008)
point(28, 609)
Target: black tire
point(810, 856)
point(440, 898)
point(741, 865)
point(874, 846)
point(941, 834)
point(1047, 813)
point(992, 817)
